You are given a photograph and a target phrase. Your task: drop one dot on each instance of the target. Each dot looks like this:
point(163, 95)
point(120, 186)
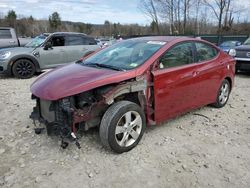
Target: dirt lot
point(189, 151)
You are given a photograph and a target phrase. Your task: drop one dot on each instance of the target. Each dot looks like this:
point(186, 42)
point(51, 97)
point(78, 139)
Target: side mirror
point(47, 46)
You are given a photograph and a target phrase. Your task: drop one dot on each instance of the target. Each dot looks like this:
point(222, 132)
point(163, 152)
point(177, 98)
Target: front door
point(175, 82)
point(54, 56)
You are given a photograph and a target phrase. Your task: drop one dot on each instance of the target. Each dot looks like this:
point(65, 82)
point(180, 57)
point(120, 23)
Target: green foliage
point(54, 20)
point(11, 18)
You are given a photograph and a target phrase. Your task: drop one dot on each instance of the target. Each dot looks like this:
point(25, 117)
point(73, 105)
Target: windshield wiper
point(104, 66)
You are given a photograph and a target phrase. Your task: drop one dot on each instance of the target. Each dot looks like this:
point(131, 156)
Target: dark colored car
point(227, 45)
point(242, 56)
point(135, 82)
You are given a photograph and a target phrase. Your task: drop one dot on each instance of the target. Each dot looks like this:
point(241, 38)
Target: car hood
point(243, 48)
point(17, 50)
point(73, 79)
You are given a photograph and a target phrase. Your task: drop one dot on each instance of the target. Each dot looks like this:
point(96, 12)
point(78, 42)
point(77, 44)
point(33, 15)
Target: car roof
point(68, 33)
point(163, 38)
point(6, 28)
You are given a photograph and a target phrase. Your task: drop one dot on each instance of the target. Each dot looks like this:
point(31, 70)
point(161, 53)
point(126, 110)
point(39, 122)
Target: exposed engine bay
point(69, 116)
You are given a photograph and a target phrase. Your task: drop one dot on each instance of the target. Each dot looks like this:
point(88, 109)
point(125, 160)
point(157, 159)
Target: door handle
point(12, 41)
point(195, 73)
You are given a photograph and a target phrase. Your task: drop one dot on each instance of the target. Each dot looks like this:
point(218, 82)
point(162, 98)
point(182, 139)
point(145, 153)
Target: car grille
point(46, 114)
point(243, 54)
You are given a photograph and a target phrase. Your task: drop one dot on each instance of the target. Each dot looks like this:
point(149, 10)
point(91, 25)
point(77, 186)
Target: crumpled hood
point(73, 79)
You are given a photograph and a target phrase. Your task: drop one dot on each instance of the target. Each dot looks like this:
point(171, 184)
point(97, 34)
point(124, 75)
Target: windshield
point(125, 55)
point(37, 41)
point(247, 42)
point(229, 44)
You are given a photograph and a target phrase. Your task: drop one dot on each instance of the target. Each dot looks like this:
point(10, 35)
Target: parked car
point(227, 45)
point(135, 82)
point(242, 56)
point(45, 52)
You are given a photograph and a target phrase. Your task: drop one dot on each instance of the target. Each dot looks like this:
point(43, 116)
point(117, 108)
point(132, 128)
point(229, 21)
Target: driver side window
point(181, 54)
point(58, 41)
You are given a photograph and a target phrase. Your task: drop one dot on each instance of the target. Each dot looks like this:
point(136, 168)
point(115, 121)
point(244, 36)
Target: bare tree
point(219, 8)
point(148, 7)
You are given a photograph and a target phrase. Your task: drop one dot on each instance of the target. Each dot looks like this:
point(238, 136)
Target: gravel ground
point(189, 151)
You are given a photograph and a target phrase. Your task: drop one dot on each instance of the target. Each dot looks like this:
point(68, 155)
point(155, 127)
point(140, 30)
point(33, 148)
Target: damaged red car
point(134, 83)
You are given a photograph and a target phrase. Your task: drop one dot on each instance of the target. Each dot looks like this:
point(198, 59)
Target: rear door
point(209, 73)
point(78, 46)
point(175, 82)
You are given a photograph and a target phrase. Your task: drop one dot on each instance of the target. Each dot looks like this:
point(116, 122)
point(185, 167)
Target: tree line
point(195, 16)
point(166, 17)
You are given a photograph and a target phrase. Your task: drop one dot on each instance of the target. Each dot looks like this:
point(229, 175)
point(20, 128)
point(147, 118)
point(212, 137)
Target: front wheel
point(223, 94)
point(23, 68)
point(122, 126)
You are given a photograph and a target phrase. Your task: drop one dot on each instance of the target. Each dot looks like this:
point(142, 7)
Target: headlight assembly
point(232, 52)
point(5, 55)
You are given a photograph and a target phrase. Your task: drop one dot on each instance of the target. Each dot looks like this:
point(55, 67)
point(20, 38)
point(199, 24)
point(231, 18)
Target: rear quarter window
point(5, 34)
point(205, 52)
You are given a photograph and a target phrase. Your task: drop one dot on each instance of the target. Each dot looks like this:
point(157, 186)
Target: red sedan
point(129, 85)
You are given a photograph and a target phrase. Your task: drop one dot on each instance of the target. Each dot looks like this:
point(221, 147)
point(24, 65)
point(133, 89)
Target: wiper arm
point(105, 66)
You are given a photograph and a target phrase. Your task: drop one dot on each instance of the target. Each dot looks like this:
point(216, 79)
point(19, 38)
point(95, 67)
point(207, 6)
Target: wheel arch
point(229, 79)
point(27, 57)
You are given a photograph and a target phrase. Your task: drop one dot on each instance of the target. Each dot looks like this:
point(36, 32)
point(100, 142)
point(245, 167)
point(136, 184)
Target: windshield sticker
point(133, 65)
point(156, 42)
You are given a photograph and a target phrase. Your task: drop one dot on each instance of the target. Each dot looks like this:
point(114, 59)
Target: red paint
point(73, 79)
point(176, 90)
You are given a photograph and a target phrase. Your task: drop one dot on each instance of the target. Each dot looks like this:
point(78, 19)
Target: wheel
point(223, 94)
point(122, 126)
point(23, 68)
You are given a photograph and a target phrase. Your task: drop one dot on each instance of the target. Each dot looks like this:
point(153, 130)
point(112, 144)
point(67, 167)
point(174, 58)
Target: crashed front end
point(68, 116)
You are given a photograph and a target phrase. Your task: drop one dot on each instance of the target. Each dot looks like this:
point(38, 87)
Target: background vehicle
point(45, 52)
point(8, 38)
point(130, 84)
point(227, 45)
point(242, 56)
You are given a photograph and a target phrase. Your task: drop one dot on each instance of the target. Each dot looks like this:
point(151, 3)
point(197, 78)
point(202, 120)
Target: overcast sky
point(90, 11)
point(96, 11)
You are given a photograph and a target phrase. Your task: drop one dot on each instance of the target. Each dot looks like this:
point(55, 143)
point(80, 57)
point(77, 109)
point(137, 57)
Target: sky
point(96, 11)
point(88, 11)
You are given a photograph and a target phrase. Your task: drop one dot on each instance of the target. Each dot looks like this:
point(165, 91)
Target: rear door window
point(205, 52)
point(89, 41)
point(75, 40)
point(5, 34)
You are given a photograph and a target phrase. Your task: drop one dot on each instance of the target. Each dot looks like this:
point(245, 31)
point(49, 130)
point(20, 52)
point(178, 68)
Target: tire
point(223, 94)
point(23, 68)
point(117, 130)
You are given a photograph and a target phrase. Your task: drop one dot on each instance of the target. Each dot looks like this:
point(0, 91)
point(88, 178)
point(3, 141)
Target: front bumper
point(242, 63)
point(5, 67)
point(56, 120)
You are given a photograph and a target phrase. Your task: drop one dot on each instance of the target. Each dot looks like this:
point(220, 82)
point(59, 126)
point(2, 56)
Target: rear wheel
point(223, 94)
point(122, 126)
point(23, 68)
